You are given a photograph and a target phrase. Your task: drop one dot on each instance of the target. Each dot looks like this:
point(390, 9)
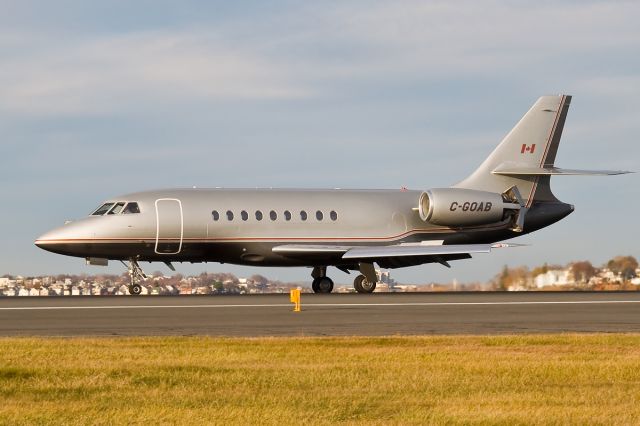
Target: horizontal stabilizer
point(552, 171)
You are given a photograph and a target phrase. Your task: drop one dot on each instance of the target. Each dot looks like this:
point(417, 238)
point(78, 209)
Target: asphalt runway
point(323, 315)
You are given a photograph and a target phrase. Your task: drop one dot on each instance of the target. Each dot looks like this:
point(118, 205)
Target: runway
point(377, 314)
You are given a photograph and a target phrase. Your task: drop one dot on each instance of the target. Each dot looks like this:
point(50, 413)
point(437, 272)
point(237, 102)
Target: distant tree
point(231, 287)
point(260, 280)
point(624, 265)
point(583, 271)
point(501, 279)
point(511, 277)
point(539, 270)
point(224, 276)
point(218, 286)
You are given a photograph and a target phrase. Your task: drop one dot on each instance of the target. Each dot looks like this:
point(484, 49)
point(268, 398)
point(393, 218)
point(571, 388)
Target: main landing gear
point(135, 273)
point(321, 283)
point(364, 283)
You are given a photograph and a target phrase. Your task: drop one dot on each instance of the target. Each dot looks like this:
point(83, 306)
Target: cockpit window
point(131, 208)
point(117, 208)
point(102, 209)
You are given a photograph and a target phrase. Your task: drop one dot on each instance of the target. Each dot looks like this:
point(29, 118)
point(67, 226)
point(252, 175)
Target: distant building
point(554, 277)
point(610, 276)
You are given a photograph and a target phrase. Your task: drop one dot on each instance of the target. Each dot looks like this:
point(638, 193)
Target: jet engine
point(458, 207)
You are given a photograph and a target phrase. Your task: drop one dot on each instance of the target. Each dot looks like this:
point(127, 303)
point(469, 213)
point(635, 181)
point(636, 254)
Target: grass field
point(397, 380)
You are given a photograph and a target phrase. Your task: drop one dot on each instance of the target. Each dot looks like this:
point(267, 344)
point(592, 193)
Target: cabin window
point(258, 215)
point(333, 215)
point(102, 209)
point(287, 215)
point(215, 215)
point(131, 208)
point(303, 215)
point(244, 215)
point(117, 208)
point(319, 215)
point(273, 215)
point(229, 215)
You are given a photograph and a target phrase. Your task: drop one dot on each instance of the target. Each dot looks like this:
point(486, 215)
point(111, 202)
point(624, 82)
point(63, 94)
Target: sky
point(104, 98)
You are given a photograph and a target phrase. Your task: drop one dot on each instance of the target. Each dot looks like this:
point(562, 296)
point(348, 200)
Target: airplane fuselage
point(242, 226)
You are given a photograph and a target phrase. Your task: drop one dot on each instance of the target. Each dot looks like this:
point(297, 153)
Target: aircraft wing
point(401, 254)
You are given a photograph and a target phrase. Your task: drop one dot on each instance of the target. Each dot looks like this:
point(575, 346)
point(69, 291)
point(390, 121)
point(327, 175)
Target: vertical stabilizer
point(532, 143)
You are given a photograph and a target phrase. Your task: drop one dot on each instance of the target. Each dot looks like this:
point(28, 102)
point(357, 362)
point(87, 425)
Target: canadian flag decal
point(527, 148)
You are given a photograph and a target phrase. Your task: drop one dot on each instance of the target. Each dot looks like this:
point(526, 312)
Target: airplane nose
point(69, 239)
point(49, 241)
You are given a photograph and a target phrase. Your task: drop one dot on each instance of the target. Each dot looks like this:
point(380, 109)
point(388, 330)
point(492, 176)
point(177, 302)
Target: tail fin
point(531, 145)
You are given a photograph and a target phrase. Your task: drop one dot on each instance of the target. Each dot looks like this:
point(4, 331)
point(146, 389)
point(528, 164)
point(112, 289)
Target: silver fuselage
point(177, 225)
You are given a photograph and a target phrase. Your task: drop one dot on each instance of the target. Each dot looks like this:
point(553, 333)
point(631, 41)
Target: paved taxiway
point(334, 314)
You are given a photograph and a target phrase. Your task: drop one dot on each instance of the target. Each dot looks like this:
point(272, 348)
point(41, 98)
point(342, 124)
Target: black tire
point(135, 289)
point(362, 285)
point(314, 285)
point(325, 285)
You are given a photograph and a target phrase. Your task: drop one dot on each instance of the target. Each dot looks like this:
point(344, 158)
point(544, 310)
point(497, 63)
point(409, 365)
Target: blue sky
point(102, 98)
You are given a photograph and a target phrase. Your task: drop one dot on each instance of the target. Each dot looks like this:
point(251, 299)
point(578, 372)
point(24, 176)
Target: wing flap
point(424, 249)
point(310, 249)
point(413, 250)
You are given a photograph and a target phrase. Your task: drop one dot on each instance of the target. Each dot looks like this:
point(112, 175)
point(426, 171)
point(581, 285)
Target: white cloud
point(312, 51)
point(101, 74)
point(445, 39)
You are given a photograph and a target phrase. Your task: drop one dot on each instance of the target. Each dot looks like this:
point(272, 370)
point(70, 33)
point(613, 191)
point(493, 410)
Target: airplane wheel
point(362, 285)
point(135, 289)
point(322, 285)
point(325, 285)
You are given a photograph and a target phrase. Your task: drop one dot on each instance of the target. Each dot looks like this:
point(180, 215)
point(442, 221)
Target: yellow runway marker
point(294, 297)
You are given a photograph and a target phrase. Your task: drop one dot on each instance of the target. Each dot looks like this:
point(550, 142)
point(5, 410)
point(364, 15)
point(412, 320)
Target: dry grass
point(397, 380)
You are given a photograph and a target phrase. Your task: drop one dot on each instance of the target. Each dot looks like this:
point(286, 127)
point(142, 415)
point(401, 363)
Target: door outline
point(158, 225)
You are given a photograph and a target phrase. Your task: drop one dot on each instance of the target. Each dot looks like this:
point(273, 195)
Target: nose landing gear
point(135, 273)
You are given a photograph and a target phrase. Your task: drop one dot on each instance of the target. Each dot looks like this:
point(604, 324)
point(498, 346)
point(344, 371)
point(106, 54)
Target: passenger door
point(169, 226)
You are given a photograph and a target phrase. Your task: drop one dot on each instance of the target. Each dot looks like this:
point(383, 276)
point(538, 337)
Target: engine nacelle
point(459, 207)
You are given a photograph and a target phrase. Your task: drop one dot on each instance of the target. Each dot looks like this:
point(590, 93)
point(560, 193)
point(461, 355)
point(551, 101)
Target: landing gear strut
point(321, 283)
point(135, 273)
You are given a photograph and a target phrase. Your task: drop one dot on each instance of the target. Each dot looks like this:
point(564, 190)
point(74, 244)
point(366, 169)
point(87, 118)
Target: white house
point(553, 277)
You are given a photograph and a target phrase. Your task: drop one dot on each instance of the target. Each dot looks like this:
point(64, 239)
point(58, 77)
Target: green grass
point(554, 379)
